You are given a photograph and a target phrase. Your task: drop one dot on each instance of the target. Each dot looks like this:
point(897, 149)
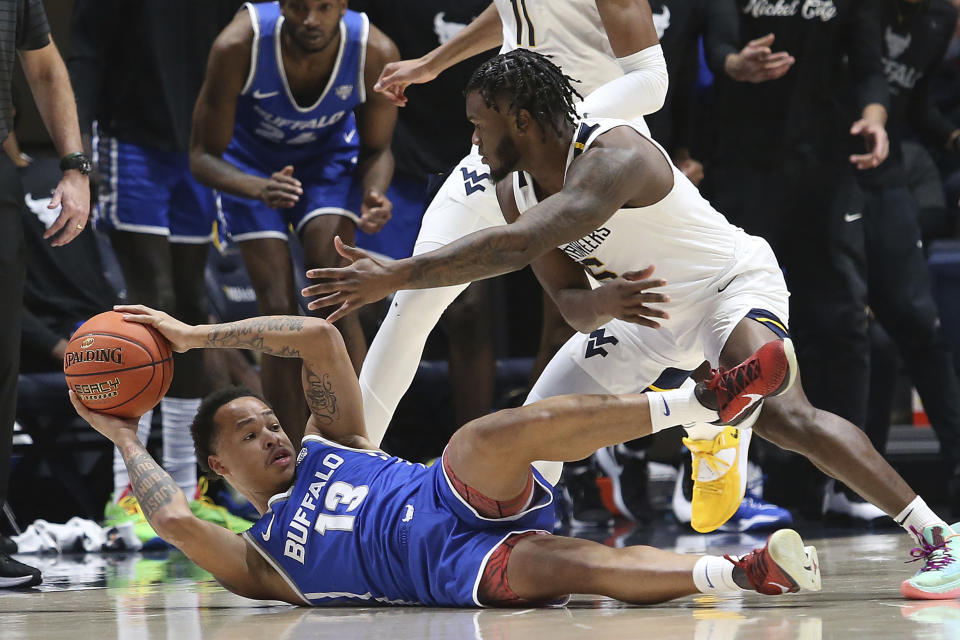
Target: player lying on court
point(597, 195)
point(342, 522)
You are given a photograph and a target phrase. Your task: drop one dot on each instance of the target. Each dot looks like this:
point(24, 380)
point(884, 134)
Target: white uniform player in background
point(610, 46)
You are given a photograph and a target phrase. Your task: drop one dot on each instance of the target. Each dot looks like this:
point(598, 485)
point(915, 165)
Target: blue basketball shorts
point(144, 190)
point(328, 189)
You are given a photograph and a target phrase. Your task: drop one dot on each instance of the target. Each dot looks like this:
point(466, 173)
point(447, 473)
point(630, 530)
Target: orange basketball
point(117, 367)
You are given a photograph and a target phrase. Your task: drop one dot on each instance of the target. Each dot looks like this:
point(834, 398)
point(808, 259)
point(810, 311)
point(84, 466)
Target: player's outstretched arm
point(599, 183)
point(482, 34)
point(329, 383)
point(232, 561)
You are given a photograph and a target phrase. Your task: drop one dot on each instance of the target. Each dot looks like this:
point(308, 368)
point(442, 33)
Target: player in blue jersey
point(345, 523)
point(288, 129)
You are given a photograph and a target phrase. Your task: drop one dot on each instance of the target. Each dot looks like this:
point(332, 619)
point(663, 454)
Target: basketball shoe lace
point(732, 383)
point(935, 556)
point(754, 564)
point(716, 464)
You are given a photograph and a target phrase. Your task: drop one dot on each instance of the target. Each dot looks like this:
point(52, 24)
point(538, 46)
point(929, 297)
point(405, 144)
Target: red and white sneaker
point(784, 565)
point(739, 392)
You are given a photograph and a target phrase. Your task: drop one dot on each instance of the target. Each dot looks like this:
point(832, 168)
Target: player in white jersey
point(610, 44)
point(600, 182)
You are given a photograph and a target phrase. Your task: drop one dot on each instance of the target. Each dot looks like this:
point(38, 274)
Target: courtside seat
point(228, 286)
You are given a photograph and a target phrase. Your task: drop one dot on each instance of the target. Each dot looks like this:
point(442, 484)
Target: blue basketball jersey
point(271, 129)
point(363, 527)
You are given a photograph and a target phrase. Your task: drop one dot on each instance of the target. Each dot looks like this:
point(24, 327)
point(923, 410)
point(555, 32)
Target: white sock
point(120, 476)
point(705, 431)
point(179, 456)
point(678, 406)
point(713, 574)
point(919, 516)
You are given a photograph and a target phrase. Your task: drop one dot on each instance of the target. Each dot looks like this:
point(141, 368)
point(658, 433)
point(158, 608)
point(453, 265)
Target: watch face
point(80, 162)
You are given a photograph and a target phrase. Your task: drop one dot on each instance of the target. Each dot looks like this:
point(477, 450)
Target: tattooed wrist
point(153, 487)
point(257, 334)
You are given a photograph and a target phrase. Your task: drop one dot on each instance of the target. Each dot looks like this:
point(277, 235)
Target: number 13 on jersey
point(340, 493)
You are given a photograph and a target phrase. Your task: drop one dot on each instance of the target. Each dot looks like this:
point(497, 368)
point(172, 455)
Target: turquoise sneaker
point(939, 578)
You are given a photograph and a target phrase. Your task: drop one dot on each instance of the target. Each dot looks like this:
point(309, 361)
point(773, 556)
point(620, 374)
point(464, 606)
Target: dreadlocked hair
point(531, 82)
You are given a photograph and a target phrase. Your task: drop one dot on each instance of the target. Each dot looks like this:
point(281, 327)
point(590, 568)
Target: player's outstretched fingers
point(345, 309)
point(331, 285)
point(326, 301)
point(350, 253)
point(642, 274)
point(132, 309)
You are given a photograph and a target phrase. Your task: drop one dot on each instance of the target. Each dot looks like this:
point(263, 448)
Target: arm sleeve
point(721, 33)
point(865, 54)
point(641, 89)
point(91, 32)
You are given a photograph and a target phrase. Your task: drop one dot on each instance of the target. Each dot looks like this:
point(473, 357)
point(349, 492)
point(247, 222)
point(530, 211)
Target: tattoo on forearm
point(152, 485)
point(320, 396)
point(465, 261)
point(249, 334)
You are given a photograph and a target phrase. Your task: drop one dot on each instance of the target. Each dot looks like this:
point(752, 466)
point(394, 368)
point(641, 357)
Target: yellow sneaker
point(719, 477)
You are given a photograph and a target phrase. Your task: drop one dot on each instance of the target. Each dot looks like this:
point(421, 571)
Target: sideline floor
point(164, 597)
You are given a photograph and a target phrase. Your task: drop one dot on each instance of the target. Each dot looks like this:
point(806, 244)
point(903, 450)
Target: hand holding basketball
point(112, 427)
point(117, 367)
point(180, 335)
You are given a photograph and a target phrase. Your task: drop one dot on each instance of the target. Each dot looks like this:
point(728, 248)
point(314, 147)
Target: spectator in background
point(430, 138)
point(24, 33)
point(680, 25)
point(289, 130)
point(138, 66)
point(791, 143)
point(64, 286)
point(915, 38)
point(937, 220)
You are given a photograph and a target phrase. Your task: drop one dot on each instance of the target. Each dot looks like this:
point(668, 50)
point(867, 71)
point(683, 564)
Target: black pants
point(902, 302)
point(812, 215)
point(11, 303)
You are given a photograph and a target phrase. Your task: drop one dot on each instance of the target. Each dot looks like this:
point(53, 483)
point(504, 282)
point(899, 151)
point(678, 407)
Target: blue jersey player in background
point(345, 523)
point(290, 132)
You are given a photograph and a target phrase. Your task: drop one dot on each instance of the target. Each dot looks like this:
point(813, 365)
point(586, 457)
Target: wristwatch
point(76, 160)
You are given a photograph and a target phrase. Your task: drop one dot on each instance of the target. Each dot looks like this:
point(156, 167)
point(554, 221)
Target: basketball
point(117, 367)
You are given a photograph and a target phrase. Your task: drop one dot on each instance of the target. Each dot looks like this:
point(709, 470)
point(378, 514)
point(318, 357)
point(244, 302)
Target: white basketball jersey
point(688, 241)
point(569, 31)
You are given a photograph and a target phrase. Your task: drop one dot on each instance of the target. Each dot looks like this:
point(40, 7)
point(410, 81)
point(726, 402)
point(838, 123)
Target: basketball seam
point(142, 345)
point(153, 374)
point(101, 373)
point(113, 335)
point(163, 369)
